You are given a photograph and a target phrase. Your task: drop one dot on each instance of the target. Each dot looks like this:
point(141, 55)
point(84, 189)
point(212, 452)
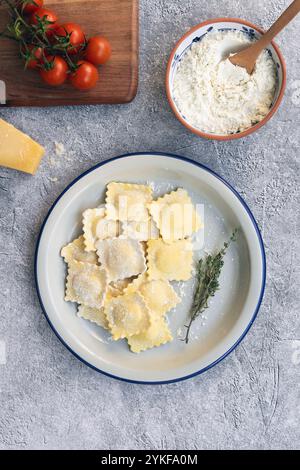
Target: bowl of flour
point(212, 97)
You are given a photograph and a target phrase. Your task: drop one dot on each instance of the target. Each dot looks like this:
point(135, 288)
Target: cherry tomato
point(77, 37)
point(56, 71)
point(32, 56)
point(98, 50)
point(49, 15)
point(85, 77)
point(30, 6)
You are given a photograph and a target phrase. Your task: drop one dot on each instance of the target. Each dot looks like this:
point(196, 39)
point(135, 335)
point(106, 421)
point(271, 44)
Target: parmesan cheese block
point(18, 150)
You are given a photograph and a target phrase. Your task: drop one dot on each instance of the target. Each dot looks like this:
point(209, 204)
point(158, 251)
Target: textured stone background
point(49, 399)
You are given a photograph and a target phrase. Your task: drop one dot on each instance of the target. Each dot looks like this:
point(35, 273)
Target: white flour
point(218, 97)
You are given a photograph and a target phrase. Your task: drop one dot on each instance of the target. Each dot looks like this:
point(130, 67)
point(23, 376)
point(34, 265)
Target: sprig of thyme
point(208, 274)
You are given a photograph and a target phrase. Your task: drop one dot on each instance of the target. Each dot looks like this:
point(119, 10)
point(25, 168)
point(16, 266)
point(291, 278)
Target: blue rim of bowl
point(244, 204)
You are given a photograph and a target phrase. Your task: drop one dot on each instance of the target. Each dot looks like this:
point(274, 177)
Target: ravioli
point(142, 231)
point(128, 202)
point(95, 315)
point(120, 271)
point(170, 261)
point(75, 251)
point(86, 284)
point(158, 294)
point(156, 335)
point(121, 257)
point(175, 215)
point(118, 287)
point(127, 315)
point(97, 227)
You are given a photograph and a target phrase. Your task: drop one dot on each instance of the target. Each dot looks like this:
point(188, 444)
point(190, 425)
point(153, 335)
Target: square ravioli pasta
point(141, 231)
point(121, 257)
point(175, 215)
point(127, 315)
point(97, 227)
point(119, 287)
point(94, 315)
point(170, 261)
point(156, 335)
point(97, 315)
point(158, 294)
point(120, 270)
point(128, 201)
point(86, 284)
point(75, 251)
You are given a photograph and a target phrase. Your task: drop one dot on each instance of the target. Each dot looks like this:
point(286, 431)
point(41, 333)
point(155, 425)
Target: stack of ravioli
point(120, 270)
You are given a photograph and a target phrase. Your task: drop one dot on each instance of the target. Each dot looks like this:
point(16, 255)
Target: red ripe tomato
point(98, 50)
point(76, 34)
point(55, 71)
point(85, 77)
point(48, 15)
point(32, 56)
point(30, 6)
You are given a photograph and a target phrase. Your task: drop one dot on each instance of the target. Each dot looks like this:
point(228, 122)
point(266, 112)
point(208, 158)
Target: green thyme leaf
point(207, 277)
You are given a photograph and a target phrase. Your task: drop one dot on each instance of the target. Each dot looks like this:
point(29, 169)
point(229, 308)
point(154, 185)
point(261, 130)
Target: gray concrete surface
point(48, 399)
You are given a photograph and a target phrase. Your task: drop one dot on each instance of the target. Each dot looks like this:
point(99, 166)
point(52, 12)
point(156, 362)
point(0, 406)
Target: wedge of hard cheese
point(18, 150)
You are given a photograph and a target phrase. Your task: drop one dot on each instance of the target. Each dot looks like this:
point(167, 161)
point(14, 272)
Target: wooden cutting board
point(115, 19)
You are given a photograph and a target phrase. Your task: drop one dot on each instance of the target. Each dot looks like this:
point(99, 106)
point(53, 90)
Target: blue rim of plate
point(263, 255)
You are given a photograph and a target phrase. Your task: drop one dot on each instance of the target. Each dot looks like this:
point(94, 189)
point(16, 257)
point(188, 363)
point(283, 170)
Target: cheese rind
point(18, 150)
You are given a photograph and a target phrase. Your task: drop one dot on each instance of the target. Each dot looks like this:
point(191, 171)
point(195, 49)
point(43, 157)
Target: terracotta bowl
point(196, 34)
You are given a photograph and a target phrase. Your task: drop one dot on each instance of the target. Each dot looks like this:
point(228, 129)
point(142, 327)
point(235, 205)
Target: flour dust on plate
point(213, 335)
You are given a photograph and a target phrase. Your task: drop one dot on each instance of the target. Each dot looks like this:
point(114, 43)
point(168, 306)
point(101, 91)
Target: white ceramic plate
point(231, 312)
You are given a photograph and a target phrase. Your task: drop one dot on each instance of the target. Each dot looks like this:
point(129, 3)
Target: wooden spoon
point(248, 57)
